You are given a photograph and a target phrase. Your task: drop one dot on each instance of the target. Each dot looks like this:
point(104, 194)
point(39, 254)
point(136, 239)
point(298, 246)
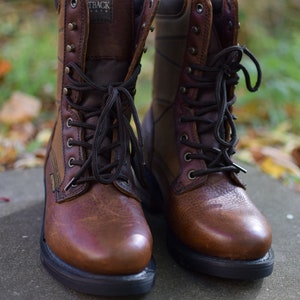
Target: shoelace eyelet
point(70, 162)
point(69, 143)
point(199, 8)
point(184, 138)
point(66, 91)
point(191, 176)
point(187, 156)
point(69, 121)
point(74, 3)
point(70, 48)
point(193, 50)
point(195, 29)
point(72, 26)
point(189, 70)
point(67, 70)
point(183, 90)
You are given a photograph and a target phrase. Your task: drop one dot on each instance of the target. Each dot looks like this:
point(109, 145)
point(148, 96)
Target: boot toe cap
point(129, 256)
point(220, 228)
point(107, 235)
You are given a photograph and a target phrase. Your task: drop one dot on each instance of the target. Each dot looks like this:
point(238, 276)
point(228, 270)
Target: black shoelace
point(222, 74)
point(111, 138)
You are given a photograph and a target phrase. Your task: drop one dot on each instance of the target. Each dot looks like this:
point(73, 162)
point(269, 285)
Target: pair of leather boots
point(99, 173)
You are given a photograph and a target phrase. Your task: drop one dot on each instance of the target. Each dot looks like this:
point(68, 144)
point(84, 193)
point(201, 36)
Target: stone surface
point(23, 277)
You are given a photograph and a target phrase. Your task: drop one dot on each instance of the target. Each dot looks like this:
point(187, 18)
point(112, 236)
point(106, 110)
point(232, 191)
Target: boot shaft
point(196, 63)
point(99, 40)
point(100, 44)
point(190, 32)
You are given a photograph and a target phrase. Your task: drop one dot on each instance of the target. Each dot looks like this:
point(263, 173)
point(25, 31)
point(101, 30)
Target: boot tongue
point(219, 40)
point(222, 33)
point(217, 5)
point(111, 40)
point(109, 51)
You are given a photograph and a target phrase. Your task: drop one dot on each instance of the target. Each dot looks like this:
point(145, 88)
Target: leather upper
point(91, 222)
point(210, 213)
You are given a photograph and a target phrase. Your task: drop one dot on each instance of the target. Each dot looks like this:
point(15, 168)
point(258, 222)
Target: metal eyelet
point(191, 176)
point(69, 121)
point(66, 91)
point(67, 70)
point(230, 25)
point(70, 162)
point(189, 70)
point(74, 3)
point(199, 8)
point(195, 29)
point(187, 157)
point(193, 50)
point(69, 143)
point(72, 26)
point(183, 90)
point(70, 48)
point(184, 138)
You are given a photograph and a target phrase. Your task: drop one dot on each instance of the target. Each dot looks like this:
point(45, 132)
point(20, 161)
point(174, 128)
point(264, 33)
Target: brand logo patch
point(101, 11)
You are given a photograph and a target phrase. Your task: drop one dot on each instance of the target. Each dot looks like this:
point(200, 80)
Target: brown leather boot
point(190, 137)
point(95, 238)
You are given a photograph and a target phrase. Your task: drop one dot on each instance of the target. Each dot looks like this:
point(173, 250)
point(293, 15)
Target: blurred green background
point(270, 29)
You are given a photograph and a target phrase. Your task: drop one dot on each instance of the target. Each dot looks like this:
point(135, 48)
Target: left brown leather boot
point(190, 138)
point(95, 238)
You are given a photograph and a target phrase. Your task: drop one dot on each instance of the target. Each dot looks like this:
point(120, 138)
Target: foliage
point(271, 31)
point(28, 44)
point(269, 122)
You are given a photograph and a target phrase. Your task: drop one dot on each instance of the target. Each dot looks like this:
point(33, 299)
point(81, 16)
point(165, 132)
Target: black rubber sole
point(223, 268)
point(97, 284)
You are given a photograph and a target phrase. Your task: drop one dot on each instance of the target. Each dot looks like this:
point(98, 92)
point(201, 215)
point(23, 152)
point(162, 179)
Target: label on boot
point(101, 11)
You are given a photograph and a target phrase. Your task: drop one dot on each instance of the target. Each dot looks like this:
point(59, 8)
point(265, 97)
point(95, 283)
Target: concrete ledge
point(23, 277)
point(22, 187)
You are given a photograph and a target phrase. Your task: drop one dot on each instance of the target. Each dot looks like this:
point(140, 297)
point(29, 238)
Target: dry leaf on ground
point(20, 108)
point(5, 67)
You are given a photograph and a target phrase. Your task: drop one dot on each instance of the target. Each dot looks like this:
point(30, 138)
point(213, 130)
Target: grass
point(271, 30)
point(28, 43)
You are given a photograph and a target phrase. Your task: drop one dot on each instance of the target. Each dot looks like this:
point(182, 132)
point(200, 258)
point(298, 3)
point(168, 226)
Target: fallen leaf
point(44, 135)
point(20, 108)
point(5, 67)
point(22, 132)
point(7, 155)
point(275, 162)
point(271, 167)
point(28, 161)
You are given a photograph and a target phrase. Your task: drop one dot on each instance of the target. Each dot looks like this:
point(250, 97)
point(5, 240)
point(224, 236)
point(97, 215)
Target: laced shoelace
point(101, 164)
point(222, 74)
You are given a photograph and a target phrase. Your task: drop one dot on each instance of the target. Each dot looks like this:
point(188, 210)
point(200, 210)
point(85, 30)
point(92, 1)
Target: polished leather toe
point(101, 232)
point(218, 219)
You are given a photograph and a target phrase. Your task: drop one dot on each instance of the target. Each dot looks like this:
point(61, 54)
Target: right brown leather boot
point(190, 139)
point(95, 238)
